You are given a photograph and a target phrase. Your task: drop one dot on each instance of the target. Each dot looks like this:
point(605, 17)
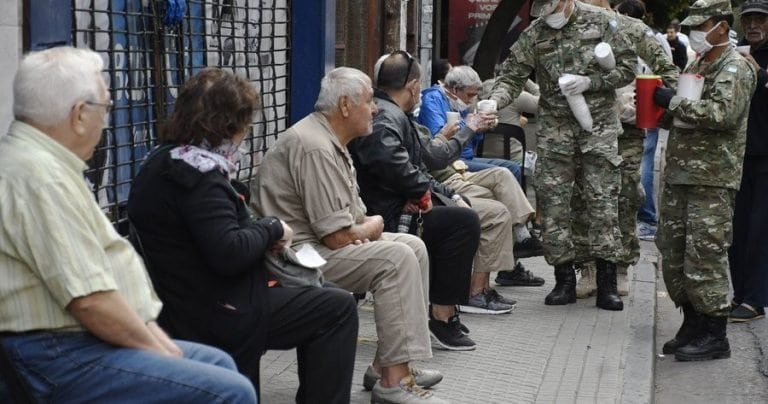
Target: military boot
point(688, 330)
point(607, 295)
point(622, 281)
point(710, 343)
point(586, 285)
point(565, 286)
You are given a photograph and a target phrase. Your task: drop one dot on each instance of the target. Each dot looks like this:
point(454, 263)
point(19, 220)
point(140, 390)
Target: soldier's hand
point(663, 96)
point(576, 85)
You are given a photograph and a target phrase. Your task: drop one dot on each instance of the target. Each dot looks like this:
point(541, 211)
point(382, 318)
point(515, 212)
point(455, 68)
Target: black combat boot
point(710, 343)
point(565, 286)
point(688, 330)
point(607, 295)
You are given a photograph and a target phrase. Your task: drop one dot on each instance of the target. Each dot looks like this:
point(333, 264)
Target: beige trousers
point(395, 269)
point(498, 184)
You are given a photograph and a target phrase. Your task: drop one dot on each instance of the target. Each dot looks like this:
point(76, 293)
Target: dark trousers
point(451, 235)
point(321, 323)
point(748, 255)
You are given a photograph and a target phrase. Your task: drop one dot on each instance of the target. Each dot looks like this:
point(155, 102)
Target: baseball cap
point(702, 10)
point(755, 6)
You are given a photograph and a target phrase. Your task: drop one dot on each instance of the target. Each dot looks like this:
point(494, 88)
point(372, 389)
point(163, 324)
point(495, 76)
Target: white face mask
point(455, 102)
point(699, 43)
point(557, 20)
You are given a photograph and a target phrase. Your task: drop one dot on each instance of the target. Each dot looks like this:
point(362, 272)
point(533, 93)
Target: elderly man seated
point(307, 178)
point(77, 311)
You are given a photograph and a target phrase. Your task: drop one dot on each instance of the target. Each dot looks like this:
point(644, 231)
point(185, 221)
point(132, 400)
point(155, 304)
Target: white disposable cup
point(604, 56)
point(689, 86)
point(487, 106)
point(452, 117)
point(578, 105)
point(744, 50)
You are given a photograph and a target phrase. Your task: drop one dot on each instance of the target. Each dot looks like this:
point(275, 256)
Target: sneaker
point(587, 283)
point(746, 313)
point(499, 298)
point(408, 392)
point(448, 336)
point(425, 378)
point(646, 232)
point(518, 277)
point(530, 247)
point(486, 302)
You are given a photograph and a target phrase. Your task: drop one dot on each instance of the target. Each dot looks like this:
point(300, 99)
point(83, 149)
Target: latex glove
point(576, 85)
point(663, 96)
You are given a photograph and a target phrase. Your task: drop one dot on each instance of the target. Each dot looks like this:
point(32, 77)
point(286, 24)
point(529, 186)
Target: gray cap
point(755, 6)
point(702, 10)
point(540, 8)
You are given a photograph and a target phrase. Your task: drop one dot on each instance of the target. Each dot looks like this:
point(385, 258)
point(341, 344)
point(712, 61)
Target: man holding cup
point(703, 171)
point(562, 42)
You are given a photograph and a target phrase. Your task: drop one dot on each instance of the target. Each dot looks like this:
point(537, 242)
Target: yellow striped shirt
point(55, 242)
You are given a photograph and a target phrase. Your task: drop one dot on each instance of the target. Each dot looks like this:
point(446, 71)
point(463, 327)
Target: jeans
point(647, 212)
point(76, 367)
point(479, 163)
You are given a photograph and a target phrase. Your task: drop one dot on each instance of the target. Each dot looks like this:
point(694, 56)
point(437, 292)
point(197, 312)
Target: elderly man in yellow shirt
point(77, 310)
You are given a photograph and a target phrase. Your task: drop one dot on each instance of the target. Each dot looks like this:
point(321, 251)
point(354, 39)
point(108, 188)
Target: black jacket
point(204, 256)
point(390, 170)
point(679, 53)
point(757, 125)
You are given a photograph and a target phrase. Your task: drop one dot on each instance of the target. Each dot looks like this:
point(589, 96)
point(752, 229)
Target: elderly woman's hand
point(285, 241)
point(482, 121)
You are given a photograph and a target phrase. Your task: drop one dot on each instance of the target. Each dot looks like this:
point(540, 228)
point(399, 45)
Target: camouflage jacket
point(554, 52)
point(648, 48)
point(712, 152)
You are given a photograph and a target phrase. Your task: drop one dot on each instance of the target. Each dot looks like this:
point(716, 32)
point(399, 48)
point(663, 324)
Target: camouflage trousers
point(631, 197)
point(694, 233)
point(595, 225)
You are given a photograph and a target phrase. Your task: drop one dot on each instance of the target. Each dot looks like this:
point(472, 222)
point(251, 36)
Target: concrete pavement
point(538, 354)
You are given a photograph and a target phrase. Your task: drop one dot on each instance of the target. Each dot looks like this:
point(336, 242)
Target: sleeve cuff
point(274, 227)
point(332, 223)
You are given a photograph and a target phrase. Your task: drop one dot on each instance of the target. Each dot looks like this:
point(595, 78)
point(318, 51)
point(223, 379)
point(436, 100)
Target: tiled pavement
point(538, 354)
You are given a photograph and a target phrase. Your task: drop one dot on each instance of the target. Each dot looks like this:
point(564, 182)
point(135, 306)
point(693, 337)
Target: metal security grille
point(148, 56)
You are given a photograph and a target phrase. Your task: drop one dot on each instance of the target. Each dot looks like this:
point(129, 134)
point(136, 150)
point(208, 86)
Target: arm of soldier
point(732, 92)
point(650, 50)
point(514, 71)
point(623, 74)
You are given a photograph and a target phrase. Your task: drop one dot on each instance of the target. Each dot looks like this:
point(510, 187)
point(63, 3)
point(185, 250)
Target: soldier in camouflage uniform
point(652, 56)
point(563, 42)
point(703, 171)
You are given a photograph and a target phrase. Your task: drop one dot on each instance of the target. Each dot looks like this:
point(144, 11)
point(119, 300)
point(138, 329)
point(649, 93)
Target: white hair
point(341, 82)
point(50, 82)
point(462, 77)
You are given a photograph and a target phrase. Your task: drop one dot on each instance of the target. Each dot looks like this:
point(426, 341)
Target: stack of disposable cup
point(604, 56)
point(578, 105)
point(689, 86)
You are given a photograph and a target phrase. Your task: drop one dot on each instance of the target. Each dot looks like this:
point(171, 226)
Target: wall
point(10, 53)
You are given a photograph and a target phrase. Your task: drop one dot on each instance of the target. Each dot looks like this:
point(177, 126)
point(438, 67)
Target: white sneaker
point(406, 393)
point(586, 286)
point(425, 378)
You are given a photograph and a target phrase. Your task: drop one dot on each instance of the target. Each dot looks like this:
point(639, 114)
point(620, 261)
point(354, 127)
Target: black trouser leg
point(322, 324)
point(451, 235)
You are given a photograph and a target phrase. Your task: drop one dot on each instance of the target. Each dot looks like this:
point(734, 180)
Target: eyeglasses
point(410, 65)
point(107, 105)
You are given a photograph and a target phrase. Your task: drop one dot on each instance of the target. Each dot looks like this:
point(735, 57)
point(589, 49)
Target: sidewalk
point(538, 354)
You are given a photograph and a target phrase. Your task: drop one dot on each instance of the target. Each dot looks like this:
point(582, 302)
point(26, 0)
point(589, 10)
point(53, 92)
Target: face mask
point(699, 43)
point(557, 20)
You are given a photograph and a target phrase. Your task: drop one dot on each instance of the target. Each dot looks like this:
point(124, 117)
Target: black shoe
point(607, 293)
point(448, 335)
point(518, 277)
point(711, 343)
point(745, 313)
point(530, 247)
point(688, 330)
point(565, 286)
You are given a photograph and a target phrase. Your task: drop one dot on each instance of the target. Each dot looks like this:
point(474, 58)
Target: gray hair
point(462, 77)
point(341, 82)
point(50, 82)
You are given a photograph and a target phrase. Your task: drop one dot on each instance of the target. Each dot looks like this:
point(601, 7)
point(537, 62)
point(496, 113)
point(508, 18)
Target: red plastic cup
point(648, 113)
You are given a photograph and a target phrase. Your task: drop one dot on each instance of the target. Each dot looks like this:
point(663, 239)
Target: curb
point(639, 385)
